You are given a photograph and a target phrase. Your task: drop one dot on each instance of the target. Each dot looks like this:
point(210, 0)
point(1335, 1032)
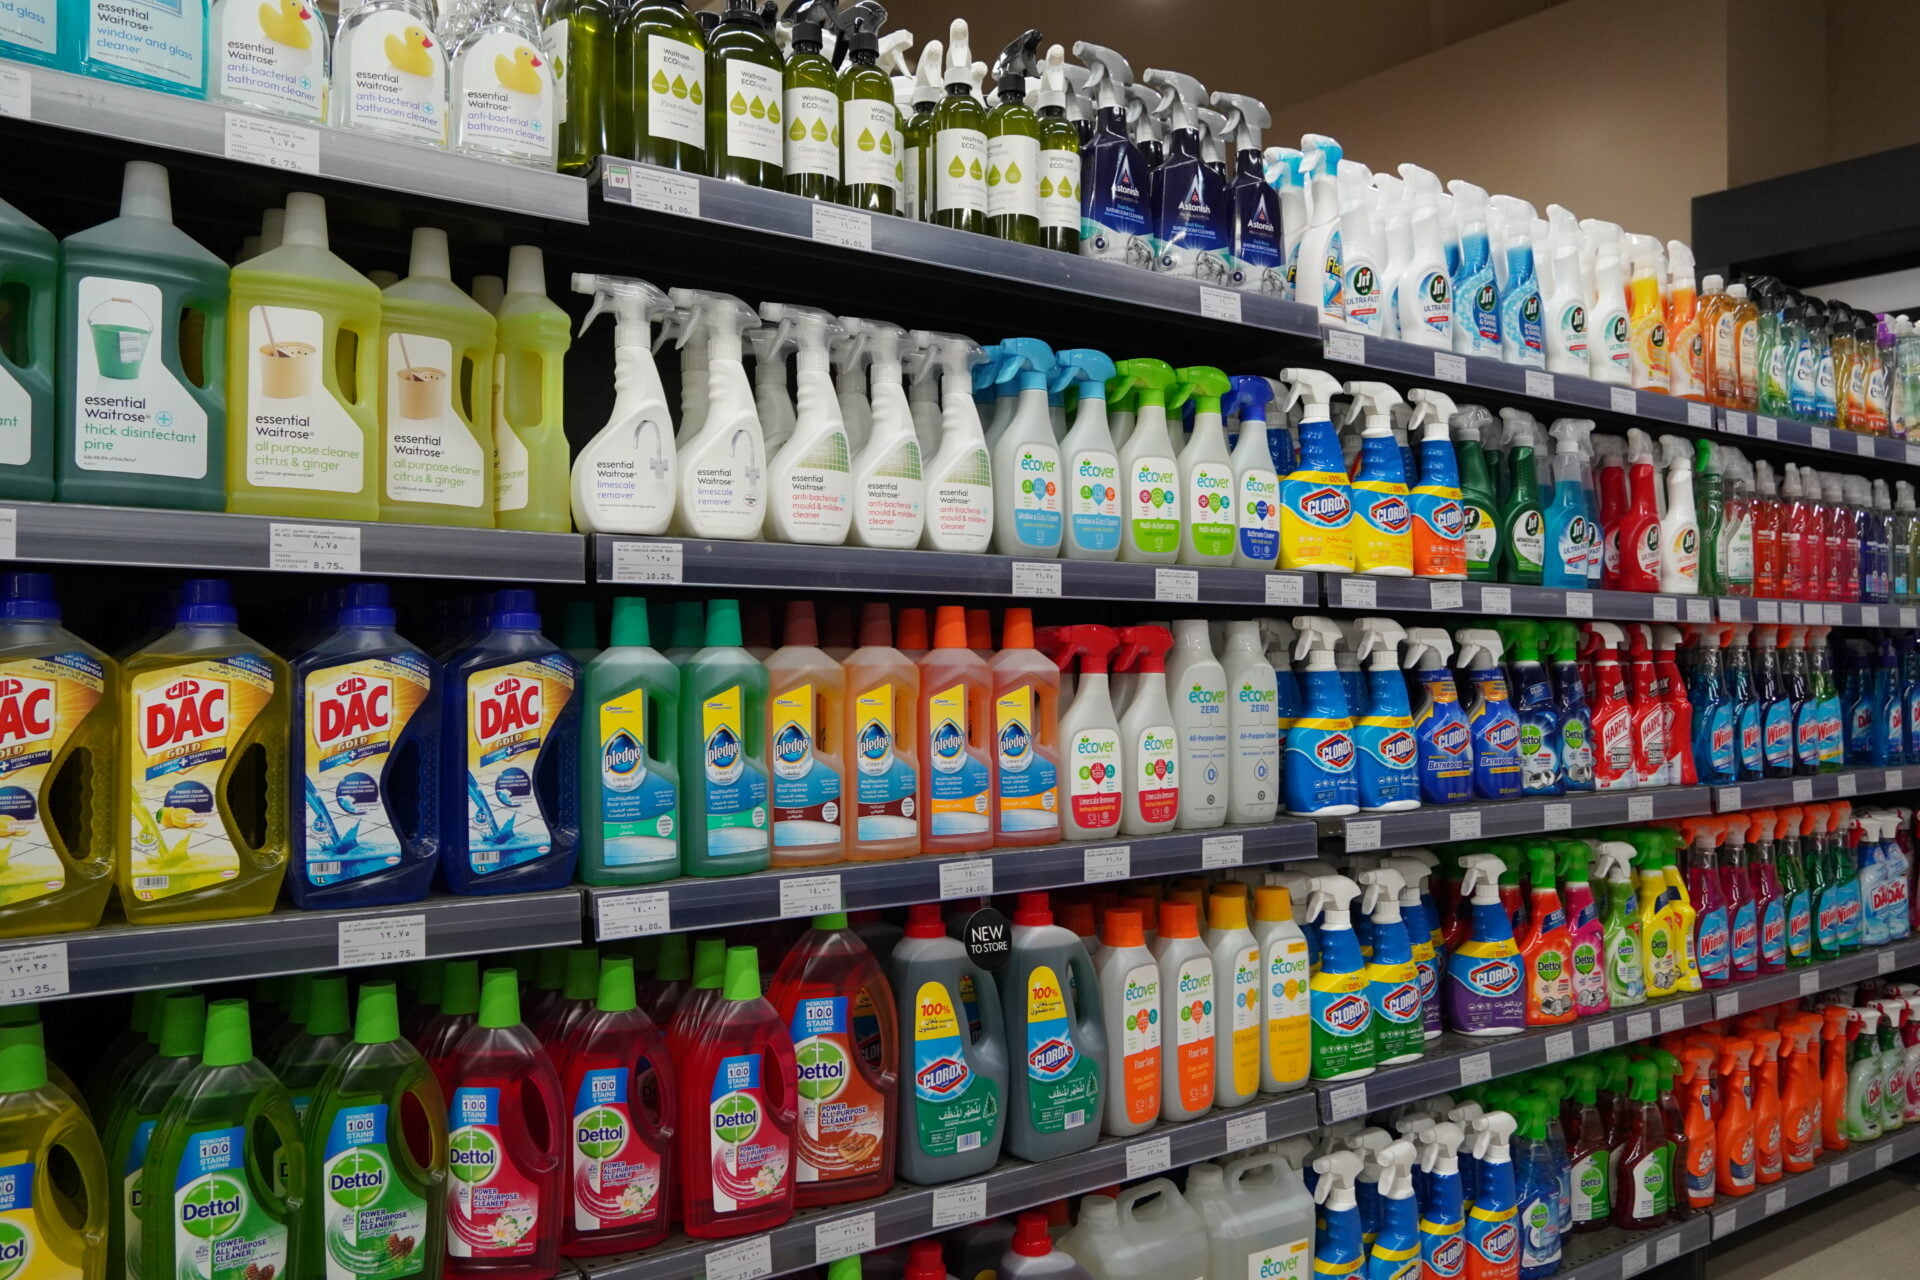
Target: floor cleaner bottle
point(58, 1210)
point(624, 479)
point(1189, 1004)
point(882, 705)
point(1053, 1009)
point(631, 697)
point(954, 713)
point(529, 438)
point(723, 726)
point(806, 693)
point(126, 1127)
point(1130, 1003)
point(1025, 692)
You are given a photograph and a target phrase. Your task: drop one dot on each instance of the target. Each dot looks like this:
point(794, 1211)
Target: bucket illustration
point(286, 367)
point(121, 331)
point(423, 388)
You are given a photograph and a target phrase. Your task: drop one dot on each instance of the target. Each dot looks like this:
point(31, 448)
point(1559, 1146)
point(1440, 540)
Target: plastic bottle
point(58, 1211)
point(882, 706)
point(625, 478)
point(1344, 1039)
point(1735, 1156)
point(952, 1085)
point(1485, 988)
point(1031, 1254)
point(1439, 725)
point(530, 444)
point(1382, 541)
point(1114, 216)
point(1865, 1080)
point(1522, 331)
point(954, 713)
point(1319, 262)
point(1204, 706)
point(1546, 948)
point(1285, 1005)
point(631, 744)
point(1338, 1247)
point(1800, 1100)
point(1150, 771)
point(1646, 315)
point(1644, 1175)
point(1027, 759)
point(1480, 528)
point(959, 477)
point(1053, 1010)
point(723, 485)
point(1130, 1002)
point(1316, 504)
point(1490, 719)
point(1188, 1001)
point(126, 1126)
point(1439, 516)
point(805, 701)
point(1492, 1233)
point(1393, 981)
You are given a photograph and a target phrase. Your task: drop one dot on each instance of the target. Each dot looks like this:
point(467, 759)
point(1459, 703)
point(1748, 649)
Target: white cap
point(526, 270)
point(306, 220)
point(143, 192)
point(429, 257)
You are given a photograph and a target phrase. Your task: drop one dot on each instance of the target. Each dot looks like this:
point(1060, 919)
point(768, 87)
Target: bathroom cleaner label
point(1256, 501)
point(885, 783)
point(1140, 1043)
point(958, 781)
point(154, 39)
point(753, 112)
point(960, 171)
point(1059, 190)
point(432, 454)
point(189, 722)
point(637, 826)
point(1093, 784)
point(503, 99)
point(748, 1157)
point(1191, 1019)
point(511, 711)
point(42, 701)
point(1159, 777)
point(1153, 505)
point(870, 143)
point(376, 1225)
point(1210, 512)
point(131, 412)
point(956, 1109)
point(1063, 1084)
point(1093, 499)
point(961, 517)
point(676, 96)
point(221, 1230)
point(818, 490)
point(806, 794)
point(493, 1204)
point(1013, 168)
point(272, 55)
point(390, 76)
point(736, 816)
point(1029, 782)
point(296, 434)
point(31, 24)
point(1113, 217)
point(616, 1173)
point(1037, 496)
point(842, 1116)
point(811, 121)
point(356, 714)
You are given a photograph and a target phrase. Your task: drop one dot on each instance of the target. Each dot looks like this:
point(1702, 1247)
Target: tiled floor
point(1871, 1231)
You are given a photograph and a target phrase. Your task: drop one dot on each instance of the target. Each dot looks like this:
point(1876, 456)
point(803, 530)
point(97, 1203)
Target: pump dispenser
point(624, 479)
point(723, 488)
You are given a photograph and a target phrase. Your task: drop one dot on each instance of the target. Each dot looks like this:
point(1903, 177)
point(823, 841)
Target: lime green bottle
point(959, 167)
point(873, 170)
point(1476, 496)
point(376, 1212)
point(723, 731)
point(44, 1229)
point(304, 1058)
point(530, 456)
point(810, 110)
point(582, 43)
point(1013, 146)
point(209, 1209)
point(661, 76)
point(130, 1116)
point(745, 142)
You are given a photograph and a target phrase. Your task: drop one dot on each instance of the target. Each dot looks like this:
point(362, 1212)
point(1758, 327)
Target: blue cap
point(1083, 365)
point(366, 605)
point(28, 597)
point(1026, 362)
point(206, 601)
point(983, 375)
point(515, 611)
point(1249, 398)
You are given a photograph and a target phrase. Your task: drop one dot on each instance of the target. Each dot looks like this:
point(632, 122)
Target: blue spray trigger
point(1249, 398)
point(1091, 369)
point(1027, 359)
point(984, 373)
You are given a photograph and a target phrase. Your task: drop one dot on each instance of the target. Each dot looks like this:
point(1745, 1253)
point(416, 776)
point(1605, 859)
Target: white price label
point(1599, 1036)
point(1869, 615)
point(1836, 615)
point(1346, 1102)
point(1557, 816)
point(957, 1206)
point(848, 228)
point(1560, 1046)
point(1663, 609)
point(1496, 600)
point(1666, 1249)
point(1776, 1201)
point(1622, 400)
point(1767, 610)
point(1909, 617)
point(1735, 422)
point(1246, 1131)
point(1729, 799)
point(1540, 385)
point(1464, 825)
point(1445, 595)
point(1178, 585)
point(1882, 1157)
point(277, 144)
point(1884, 962)
point(1639, 1027)
point(1362, 834)
point(1699, 610)
point(666, 192)
point(1896, 779)
point(1344, 344)
point(1766, 428)
point(632, 915)
point(1449, 368)
point(1639, 808)
point(1036, 577)
point(1849, 784)
point(1790, 612)
point(33, 973)
point(1913, 455)
point(1634, 1262)
point(810, 895)
point(1726, 1005)
point(1672, 1018)
point(9, 533)
point(1729, 609)
point(1109, 862)
point(1820, 437)
point(1475, 1068)
point(1699, 414)
point(1220, 304)
point(16, 93)
point(313, 548)
point(1802, 790)
point(659, 564)
point(970, 879)
point(843, 1239)
point(748, 1260)
point(386, 940)
point(1284, 589)
point(1222, 851)
point(1144, 1159)
point(1579, 604)
point(1809, 983)
point(1838, 1174)
point(1863, 445)
point(1358, 593)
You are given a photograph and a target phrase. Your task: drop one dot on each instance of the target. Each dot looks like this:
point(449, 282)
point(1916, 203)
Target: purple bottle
point(1484, 995)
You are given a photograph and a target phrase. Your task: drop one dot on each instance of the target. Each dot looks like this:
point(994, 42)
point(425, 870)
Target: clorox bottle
point(953, 1084)
point(1053, 1010)
point(1316, 503)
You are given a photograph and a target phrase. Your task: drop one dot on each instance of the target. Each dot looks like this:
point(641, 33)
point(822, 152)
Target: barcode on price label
point(1036, 577)
point(1150, 1157)
point(632, 915)
point(1883, 1157)
point(1849, 785)
point(385, 940)
point(1540, 384)
point(313, 548)
point(665, 192)
point(1896, 779)
point(1726, 1005)
point(648, 563)
point(1776, 1201)
point(1735, 422)
point(1729, 609)
point(1729, 799)
point(1863, 445)
point(1699, 610)
point(1110, 862)
point(16, 93)
point(1802, 790)
point(1666, 1249)
point(1222, 851)
point(1809, 983)
point(843, 1239)
point(1767, 610)
point(1246, 1131)
point(1790, 611)
point(1579, 604)
point(810, 895)
point(33, 973)
point(748, 1260)
point(1869, 615)
point(970, 879)
point(1766, 428)
point(1699, 414)
point(1838, 1174)
point(1362, 834)
point(1884, 962)
point(956, 1206)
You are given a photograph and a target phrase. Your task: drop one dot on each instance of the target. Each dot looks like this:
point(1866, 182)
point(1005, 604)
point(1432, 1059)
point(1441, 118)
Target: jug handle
point(986, 994)
point(784, 1082)
point(1142, 1191)
point(75, 1135)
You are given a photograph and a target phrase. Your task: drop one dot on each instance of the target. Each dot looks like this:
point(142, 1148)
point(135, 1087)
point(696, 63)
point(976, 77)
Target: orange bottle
point(1766, 1105)
point(980, 632)
point(912, 639)
point(1733, 1143)
point(1697, 1131)
point(881, 736)
point(1833, 1079)
point(1026, 738)
point(956, 719)
point(1800, 1107)
point(806, 713)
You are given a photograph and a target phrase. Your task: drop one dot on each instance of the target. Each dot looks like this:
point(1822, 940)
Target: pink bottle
point(1769, 901)
point(459, 1011)
point(1589, 936)
point(1743, 914)
point(1708, 896)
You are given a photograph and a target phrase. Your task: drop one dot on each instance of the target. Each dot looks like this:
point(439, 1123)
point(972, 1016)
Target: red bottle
point(1587, 1149)
point(661, 994)
point(1766, 536)
point(1800, 554)
point(840, 1012)
point(1643, 1191)
point(709, 972)
point(621, 1083)
point(1609, 712)
point(1649, 710)
point(1837, 524)
point(578, 991)
point(1767, 1155)
point(506, 1130)
point(1769, 899)
point(459, 1012)
point(735, 1140)
point(1640, 523)
point(1671, 687)
point(1613, 509)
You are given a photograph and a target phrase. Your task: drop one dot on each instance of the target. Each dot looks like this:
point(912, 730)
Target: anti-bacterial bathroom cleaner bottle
point(630, 757)
point(805, 702)
point(1151, 513)
point(1546, 947)
point(959, 477)
point(1027, 759)
point(1051, 994)
point(625, 478)
point(1190, 212)
point(1485, 986)
point(953, 1083)
point(954, 711)
point(882, 704)
point(1316, 502)
point(723, 729)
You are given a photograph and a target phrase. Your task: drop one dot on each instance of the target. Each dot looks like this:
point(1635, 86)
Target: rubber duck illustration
point(521, 72)
point(408, 52)
point(285, 22)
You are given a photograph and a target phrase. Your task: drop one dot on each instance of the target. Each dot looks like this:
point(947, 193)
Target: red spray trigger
point(1143, 649)
point(1091, 645)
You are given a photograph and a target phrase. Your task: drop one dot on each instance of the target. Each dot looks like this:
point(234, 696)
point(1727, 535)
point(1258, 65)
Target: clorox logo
point(1450, 519)
point(948, 741)
point(1348, 1014)
point(1504, 735)
point(1390, 513)
point(1452, 739)
point(942, 1077)
point(1496, 977)
point(791, 743)
point(1335, 751)
point(1399, 749)
point(1327, 507)
point(1450, 1256)
point(1498, 1244)
point(1051, 1058)
point(1402, 1004)
point(875, 744)
point(724, 759)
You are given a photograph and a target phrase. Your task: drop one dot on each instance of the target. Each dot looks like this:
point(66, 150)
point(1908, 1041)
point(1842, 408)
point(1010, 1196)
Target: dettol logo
point(822, 1069)
point(16, 1250)
point(599, 1132)
point(212, 1207)
point(356, 1178)
point(473, 1155)
point(735, 1118)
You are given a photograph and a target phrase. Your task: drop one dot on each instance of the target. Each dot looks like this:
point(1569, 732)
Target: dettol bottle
point(630, 831)
point(530, 453)
point(723, 728)
point(953, 1084)
point(37, 1214)
point(510, 756)
point(301, 421)
point(375, 1212)
point(201, 837)
point(303, 1058)
point(127, 1125)
point(1052, 998)
point(210, 1203)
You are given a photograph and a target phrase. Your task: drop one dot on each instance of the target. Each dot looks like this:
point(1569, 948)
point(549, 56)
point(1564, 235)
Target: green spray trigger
point(1149, 378)
point(1203, 384)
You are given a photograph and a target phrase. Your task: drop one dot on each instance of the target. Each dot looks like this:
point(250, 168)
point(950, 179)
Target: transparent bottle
point(503, 100)
point(745, 142)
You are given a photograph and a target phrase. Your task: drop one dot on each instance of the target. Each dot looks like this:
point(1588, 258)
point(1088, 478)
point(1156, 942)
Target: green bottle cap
point(302, 1000)
point(524, 963)
point(183, 1025)
point(616, 985)
point(844, 1268)
point(552, 974)
point(327, 1006)
point(1586, 1084)
point(723, 623)
point(1552, 1090)
point(378, 1020)
point(709, 963)
point(689, 624)
point(630, 623)
point(583, 973)
point(433, 982)
point(578, 629)
point(229, 1035)
point(23, 1058)
point(830, 921)
point(145, 1005)
point(673, 964)
point(743, 973)
point(462, 994)
point(1530, 1117)
point(1643, 1088)
point(500, 999)
point(19, 1015)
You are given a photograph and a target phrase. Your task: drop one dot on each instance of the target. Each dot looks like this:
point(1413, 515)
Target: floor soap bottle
point(631, 743)
point(624, 479)
point(529, 435)
point(883, 694)
point(1027, 759)
point(1052, 997)
point(1189, 1007)
point(806, 696)
point(126, 1126)
point(953, 710)
point(723, 728)
point(959, 160)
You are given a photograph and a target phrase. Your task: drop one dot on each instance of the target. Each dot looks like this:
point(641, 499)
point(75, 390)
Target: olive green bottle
point(1059, 191)
point(872, 169)
point(959, 168)
point(918, 132)
point(1013, 146)
point(811, 111)
point(745, 140)
point(581, 41)
point(662, 85)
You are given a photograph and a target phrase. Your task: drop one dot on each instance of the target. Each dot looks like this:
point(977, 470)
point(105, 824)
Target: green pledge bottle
point(723, 737)
point(209, 1209)
point(378, 1209)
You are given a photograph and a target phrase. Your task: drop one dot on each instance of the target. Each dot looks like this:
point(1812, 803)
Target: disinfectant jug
point(631, 743)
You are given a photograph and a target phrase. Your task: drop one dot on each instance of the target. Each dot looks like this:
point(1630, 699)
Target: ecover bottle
point(631, 757)
point(126, 1128)
point(1150, 503)
point(1189, 1008)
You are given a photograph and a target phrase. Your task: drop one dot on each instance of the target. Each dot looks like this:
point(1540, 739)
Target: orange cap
point(913, 629)
point(1121, 928)
point(949, 627)
point(1734, 827)
point(1788, 819)
point(979, 629)
point(1016, 629)
point(1760, 824)
point(1077, 916)
point(1192, 896)
point(1735, 1054)
point(1272, 902)
point(1179, 920)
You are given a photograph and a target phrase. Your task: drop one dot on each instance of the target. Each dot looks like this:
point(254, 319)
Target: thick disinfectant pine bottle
point(303, 376)
point(225, 1175)
point(46, 1231)
point(630, 757)
point(378, 1205)
point(956, 725)
point(126, 1127)
point(201, 791)
point(509, 742)
point(723, 730)
point(28, 361)
point(302, 1058)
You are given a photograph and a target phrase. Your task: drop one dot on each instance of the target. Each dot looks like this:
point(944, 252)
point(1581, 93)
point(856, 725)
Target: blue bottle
point(1440, 732)
point(1910, 698)
point(1537, 1191)
point(1476, 308)
point(1569, 522)
point(1443, 1250)
point(1570, 703)
point(1491, 721)
point(152, 44)
point(1393, 980)
point(1114, 224)
point(42, 31)
point(1388, 768)
point(1258, 541)
point(1888, 708)
point(1318, 767)
point(509, 736)
point(1338, 1249)
point(1492, 1233)
point(1737, 675)
point(366, 762)
point(1522, 334)
point(1395, 1251)
point(1484, 992)
point(1535, 707)
point(1258, 255)
point(1715, 744)
point(1429, 962)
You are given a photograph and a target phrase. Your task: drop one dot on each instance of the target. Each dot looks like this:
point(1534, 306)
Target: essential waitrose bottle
point(630, 832)
point(530, 454)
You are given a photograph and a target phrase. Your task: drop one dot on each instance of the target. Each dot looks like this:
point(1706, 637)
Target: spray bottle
point(1490, 718)
point(1393, 982)
point(1115, 220)
point(1208, 524)
point(960, 477)
point(1485, 990)
point(1319, 274)
point(1382, 543)
point(1338, 1249)
point(1646, 315)
point(809, 487)
point(1523, 541)
point(1680, 527)
point(624, 479)
point(1255, 257)
point(1443, 1209)
point(1534, 704)
point(1316, 504)
point(1441, 737)
point(1192, 215)
point(1439, 514)
point(1026, 458)
point(1492, 1234)
point(1344, 1037)
point(1546, 946)
point(1256, 486)
point(1588, 933)
point(1148, 741)
point(1151, 523)
point(1388, 755)
point(1476, 314)
point(1089, 467)
point(1623, 946)
point(722, 481)
point(1318, 771)
point(889, 489)
point(1522, 332)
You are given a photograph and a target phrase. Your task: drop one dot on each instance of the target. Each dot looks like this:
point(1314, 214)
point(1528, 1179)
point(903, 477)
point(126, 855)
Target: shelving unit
point(1821, 786)
point(1442, 824)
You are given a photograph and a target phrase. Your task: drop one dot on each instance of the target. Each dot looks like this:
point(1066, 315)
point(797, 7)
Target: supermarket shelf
point(1424, 595)
point(1745, 997)
point(1439, 824)
point(693, 903)
point(122, 957)
point(1614, 1254)
point(71, 533)
point(1849, 445)
point(693, 562)
point(1813, 613)
point(1824, 786)
point(383, 165)
point(819, 1236)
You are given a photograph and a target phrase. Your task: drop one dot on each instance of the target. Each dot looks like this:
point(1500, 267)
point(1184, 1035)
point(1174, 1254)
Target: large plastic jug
point(806, 711)
point(303, 368)
point(1147, 1232)
point(200, 796)
point(1258, 1215)
point(1052, 999)
point(630, 757)
point(531, 458)
point(126, 1124)
point(155, 44)
point(723, 727)
point(29, 270)
point(953, 1084)
point(37, 1118)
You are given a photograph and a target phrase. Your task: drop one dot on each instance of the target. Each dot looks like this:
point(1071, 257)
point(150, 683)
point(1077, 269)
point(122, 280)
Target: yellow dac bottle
point(41, 1222)
point(201, 791)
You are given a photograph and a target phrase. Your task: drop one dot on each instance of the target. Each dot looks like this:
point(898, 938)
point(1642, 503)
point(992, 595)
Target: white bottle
point(1259, 1217)
point(1362, 283)
point(1319, 275)
point(1679, 527)
point(850, 385)
point(625, 478)
point(1150, 755)
point(771, 347)
point(1149, 531)
point(1028, 501)
point(809, 487)
point(390, 72)
point(960, 477)
point(923, 396)
point(1253, 750)
point(1189, 987)
point(1089, 465)
point(1236, 970)
point(503, 99)
point(270, 57)
point(685, 332)
point(1393, 214)
point(723, 486)
point(1146, 1232)
point(1090, 751)
point(889, 484)
point(1609, 345)
point(1201, 727)
point(1285, 1013)
point(1130, 1006)
point(1256, 486)
point(1423, 291)
point(1209, 527)
point(1565, 295)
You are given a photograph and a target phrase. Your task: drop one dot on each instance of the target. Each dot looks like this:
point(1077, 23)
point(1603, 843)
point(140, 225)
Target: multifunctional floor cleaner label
point(676, 102)
point(356, 714)
point(812, 117)
point(221, 1230)
point(131, 412)
point(1029, 782)
point(806, 794)
point(503, 98)
point(189, 722)
point(296, 433)
point(884, 783)
point(636, 801)
point(1063, 1084)
point(870, 143)
point(956, 1109)
point(958, 788)
point(493, 1204)
point(736, 814)
point(1192, 1017)
point(42, 701)
point(390, 76)
point(842, 1116)
point(748, 1155)
point(272, 55)
point(432, 454)
point(160, 39)
point(1093, 777)
point(375, 1224)
point(511, 711)
point(616, 1170)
